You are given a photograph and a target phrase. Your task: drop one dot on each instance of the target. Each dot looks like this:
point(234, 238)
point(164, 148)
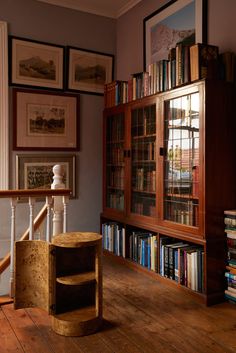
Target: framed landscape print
point(88, 71)
point(170, 24)
point(36, 63)
point(35, 172)
point(45, 120)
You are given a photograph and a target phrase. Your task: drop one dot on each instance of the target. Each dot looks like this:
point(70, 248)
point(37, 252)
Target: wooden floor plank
point(8, 340)
point(115, 338)
point(92, 344)
point(27, 332)
point(58, 343)
point(141, 315)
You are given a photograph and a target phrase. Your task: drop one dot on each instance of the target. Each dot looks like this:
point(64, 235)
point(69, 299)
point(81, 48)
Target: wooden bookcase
point(64, 278)
point(169, 168)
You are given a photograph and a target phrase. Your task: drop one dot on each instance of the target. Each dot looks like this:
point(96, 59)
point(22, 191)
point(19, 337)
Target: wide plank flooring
point(141, 315)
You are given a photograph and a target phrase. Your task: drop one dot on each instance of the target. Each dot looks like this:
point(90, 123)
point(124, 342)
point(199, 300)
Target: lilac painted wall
point(44, 22)
point(129, 52)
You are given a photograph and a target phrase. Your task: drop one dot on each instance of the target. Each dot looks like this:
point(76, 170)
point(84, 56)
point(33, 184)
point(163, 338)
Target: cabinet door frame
point(177, 93)
point(108, 113)
point(143, 103)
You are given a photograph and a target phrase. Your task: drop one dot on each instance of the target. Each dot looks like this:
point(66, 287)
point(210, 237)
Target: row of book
point(113, 237)
point(115, 155)
point(116, 178)
point(145, 151)
point(177, 260)
point(144, 207)
point(183, 263)
point(143, 249)
point(187, 62)
point(230, 274)
point(115, 129)
point(116, 200)
point(182, 211)
point(144, 180)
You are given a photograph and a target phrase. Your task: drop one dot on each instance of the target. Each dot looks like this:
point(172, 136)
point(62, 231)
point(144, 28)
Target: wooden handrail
point(5, 262)
point(22, 193)
point(34, 193)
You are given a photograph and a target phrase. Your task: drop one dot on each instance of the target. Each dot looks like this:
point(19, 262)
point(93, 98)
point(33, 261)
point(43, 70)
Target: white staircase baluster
point(31, 217)
point(65, 203)
point(13, 237)
point(57, 221)
point(48, 230)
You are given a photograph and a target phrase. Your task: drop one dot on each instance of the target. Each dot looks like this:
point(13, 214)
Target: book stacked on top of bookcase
point(230, 274)
point(187, 62)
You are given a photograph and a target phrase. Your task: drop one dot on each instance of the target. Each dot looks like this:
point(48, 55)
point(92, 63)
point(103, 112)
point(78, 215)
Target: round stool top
point(76, 239)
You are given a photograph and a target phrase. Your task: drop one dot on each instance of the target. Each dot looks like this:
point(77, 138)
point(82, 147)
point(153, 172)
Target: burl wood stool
point(63, 277)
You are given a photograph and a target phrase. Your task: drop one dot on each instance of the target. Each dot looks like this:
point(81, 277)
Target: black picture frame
point(36, 64)
point(87, 71)
point(165, 13)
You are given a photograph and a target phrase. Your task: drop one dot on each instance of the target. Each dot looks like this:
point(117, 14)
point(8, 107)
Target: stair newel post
point(58, 207)
point(13, 238)
point(49, 202)
point(31, 217)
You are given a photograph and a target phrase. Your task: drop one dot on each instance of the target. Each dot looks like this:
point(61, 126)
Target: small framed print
point(36, 63)
point(45, 120)
point(36, 172)
point(88, 71)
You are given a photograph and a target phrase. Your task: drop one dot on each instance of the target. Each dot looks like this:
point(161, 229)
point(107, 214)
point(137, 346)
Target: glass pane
point(181, 163)
point(143, 162)
point(115, 162)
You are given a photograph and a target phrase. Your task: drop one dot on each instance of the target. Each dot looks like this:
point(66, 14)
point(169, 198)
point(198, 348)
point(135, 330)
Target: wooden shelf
point(77, 279)
point(181, 196)
point(140, 137)
point(78, 322)
point(81, 314)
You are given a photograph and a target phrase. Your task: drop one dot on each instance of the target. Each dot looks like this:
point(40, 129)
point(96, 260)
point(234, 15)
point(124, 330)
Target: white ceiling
point(108, 8)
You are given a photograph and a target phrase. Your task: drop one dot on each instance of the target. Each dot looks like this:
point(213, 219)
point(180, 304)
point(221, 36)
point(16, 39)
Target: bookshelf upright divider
point(168, 177)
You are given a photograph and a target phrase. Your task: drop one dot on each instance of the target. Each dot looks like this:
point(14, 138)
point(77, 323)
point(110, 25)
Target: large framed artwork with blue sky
point(170, 24)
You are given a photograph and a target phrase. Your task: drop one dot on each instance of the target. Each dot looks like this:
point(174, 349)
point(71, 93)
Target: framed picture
point(45, 120)
point(35, 172)
point(36, 63)
point(88, 71)
point(170, 24)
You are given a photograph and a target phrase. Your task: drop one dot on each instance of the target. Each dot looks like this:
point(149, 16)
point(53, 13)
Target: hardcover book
point(203, 61)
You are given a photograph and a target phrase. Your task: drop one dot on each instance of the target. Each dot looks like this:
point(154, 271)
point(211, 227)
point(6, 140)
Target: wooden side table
point(63, 277)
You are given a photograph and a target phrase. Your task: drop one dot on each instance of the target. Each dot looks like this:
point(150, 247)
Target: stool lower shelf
point(79, 322)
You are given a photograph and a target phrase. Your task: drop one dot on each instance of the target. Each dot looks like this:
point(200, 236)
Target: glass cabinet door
point(115, 162)
point(181, 162)
point(143, 161)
